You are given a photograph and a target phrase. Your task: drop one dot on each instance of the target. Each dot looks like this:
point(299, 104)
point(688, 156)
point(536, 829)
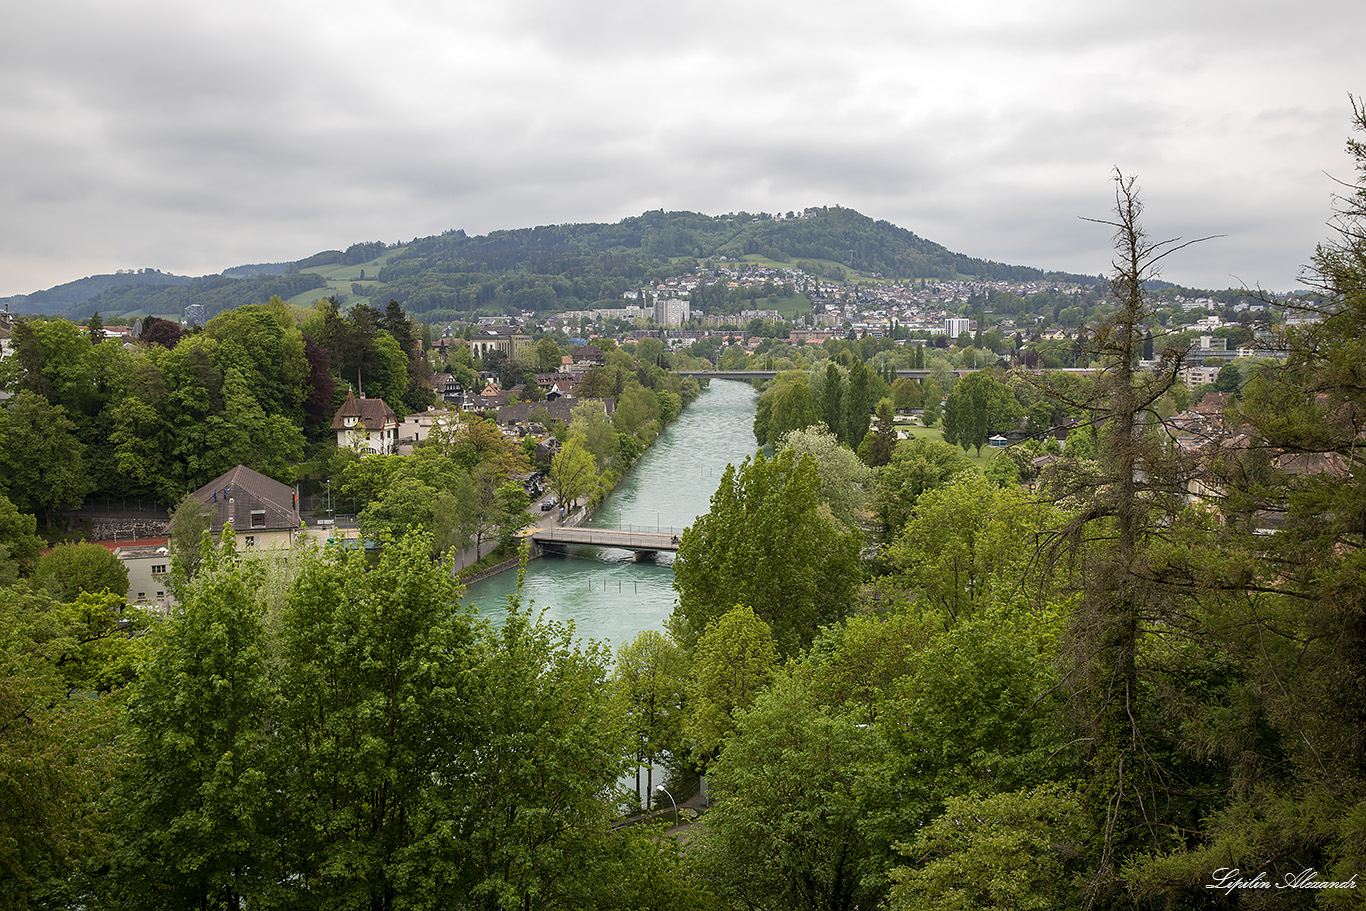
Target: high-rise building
point(955, 326)
point(672, 311)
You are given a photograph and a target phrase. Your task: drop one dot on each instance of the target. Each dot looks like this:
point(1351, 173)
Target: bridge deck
point(607, 537)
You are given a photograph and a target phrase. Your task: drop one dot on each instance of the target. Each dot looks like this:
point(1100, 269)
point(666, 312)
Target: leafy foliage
point(70, 569)
point(766, 544)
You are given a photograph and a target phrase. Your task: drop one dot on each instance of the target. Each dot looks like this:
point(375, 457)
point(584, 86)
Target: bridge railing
point(649, 529)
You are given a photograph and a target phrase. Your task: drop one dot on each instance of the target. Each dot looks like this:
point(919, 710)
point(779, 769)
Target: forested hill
point(553, 267)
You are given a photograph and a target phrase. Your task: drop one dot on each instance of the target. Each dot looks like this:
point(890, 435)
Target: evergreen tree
point(1123, 503)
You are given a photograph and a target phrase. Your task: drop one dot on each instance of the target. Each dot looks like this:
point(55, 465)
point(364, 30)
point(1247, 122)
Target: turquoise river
point(606, 594)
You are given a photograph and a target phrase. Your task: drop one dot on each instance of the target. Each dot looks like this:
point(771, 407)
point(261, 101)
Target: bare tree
point(1123, 502)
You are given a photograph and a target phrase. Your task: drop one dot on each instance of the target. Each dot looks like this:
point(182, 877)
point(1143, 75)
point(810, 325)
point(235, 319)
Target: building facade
point(366, 426)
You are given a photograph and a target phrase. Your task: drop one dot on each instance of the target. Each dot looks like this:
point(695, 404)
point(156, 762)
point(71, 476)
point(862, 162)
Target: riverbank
point(609, 595)
point(550, 518)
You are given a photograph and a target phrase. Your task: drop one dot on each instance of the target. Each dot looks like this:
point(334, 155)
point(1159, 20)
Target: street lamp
point(671, 800)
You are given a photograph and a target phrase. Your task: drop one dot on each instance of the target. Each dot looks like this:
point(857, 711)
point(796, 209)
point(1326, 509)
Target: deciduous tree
point(573, 472)
point(196, 794)
point(71, 568)
point(651, 681)
point(769, 544)
point(46, 460)
point(734, 660)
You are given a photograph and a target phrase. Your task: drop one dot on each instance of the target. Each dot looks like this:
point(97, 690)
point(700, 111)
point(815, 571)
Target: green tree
point(141, 440)
point(834, 407)
point(932, 394)
point(906, 394)
point(734, 660)
point(512, 502)
point(879, 442)
point(1015, 850)
point(57, 741)
point(51, 474)
point(636, 410)
point(243, 433)
point(548, 355)
point(71, 568)
point(1229, 379)
point(859, 408)
point(786, 405)
point(264, 344)
point(785, 829)
point(52, 358)
point(190, 521)
point(844, 479)
point(375, 686)
point(979, 405)
point(766, 543)
point(195, 795)
point(961, 547)
point(573, 472)
point(591, 426)
point(651, 681)
point(526, 782)
point(978, 710)
point(407, 503)
point(18, 539)
point(918, 465)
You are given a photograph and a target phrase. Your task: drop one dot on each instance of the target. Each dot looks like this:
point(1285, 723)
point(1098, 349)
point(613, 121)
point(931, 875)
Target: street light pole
point(671, 800)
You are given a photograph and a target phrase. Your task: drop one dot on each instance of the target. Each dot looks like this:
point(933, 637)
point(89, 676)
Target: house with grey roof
point(263, 512)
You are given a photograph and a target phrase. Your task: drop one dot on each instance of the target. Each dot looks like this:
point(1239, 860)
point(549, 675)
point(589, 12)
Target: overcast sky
point(192, 137)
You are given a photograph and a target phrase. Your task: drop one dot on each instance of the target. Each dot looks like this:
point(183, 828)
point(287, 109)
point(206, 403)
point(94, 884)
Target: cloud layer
point(150, 133)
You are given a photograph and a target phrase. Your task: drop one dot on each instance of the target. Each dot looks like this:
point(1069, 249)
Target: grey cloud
point(193, 138)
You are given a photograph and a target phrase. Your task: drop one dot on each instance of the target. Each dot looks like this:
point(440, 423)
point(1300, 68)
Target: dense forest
point(547, 268)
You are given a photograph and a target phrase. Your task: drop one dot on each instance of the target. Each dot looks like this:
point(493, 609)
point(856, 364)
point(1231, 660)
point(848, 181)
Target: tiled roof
point(236, 494)
point(370, 414)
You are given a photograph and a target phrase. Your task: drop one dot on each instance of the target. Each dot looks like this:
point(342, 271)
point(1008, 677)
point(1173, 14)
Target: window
point(249, 541)
point(161, 595)
point(142, 596)
point(258, 518)
point(158, 568)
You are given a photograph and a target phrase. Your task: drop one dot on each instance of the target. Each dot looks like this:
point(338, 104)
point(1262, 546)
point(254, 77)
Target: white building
point(1198, 376)
point(955, 326)
point(148, 566)
point(366, 425)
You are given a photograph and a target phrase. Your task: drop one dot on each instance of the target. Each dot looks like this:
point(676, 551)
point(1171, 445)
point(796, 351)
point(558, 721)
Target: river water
point(606, 594)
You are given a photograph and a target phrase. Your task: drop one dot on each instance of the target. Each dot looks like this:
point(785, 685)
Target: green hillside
point(541, 269)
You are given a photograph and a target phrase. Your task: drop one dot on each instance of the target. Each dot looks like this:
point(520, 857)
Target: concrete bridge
point(623, 539)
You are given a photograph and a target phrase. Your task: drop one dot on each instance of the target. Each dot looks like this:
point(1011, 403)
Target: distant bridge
point(770, 374)
point(623, 539)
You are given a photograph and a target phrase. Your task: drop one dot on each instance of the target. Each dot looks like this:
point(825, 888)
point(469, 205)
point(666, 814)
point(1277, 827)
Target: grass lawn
point(339, 279)
point(935, 433)
point(788, 306)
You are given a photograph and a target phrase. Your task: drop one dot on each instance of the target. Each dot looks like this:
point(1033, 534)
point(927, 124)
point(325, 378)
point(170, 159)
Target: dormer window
point(258, 518)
